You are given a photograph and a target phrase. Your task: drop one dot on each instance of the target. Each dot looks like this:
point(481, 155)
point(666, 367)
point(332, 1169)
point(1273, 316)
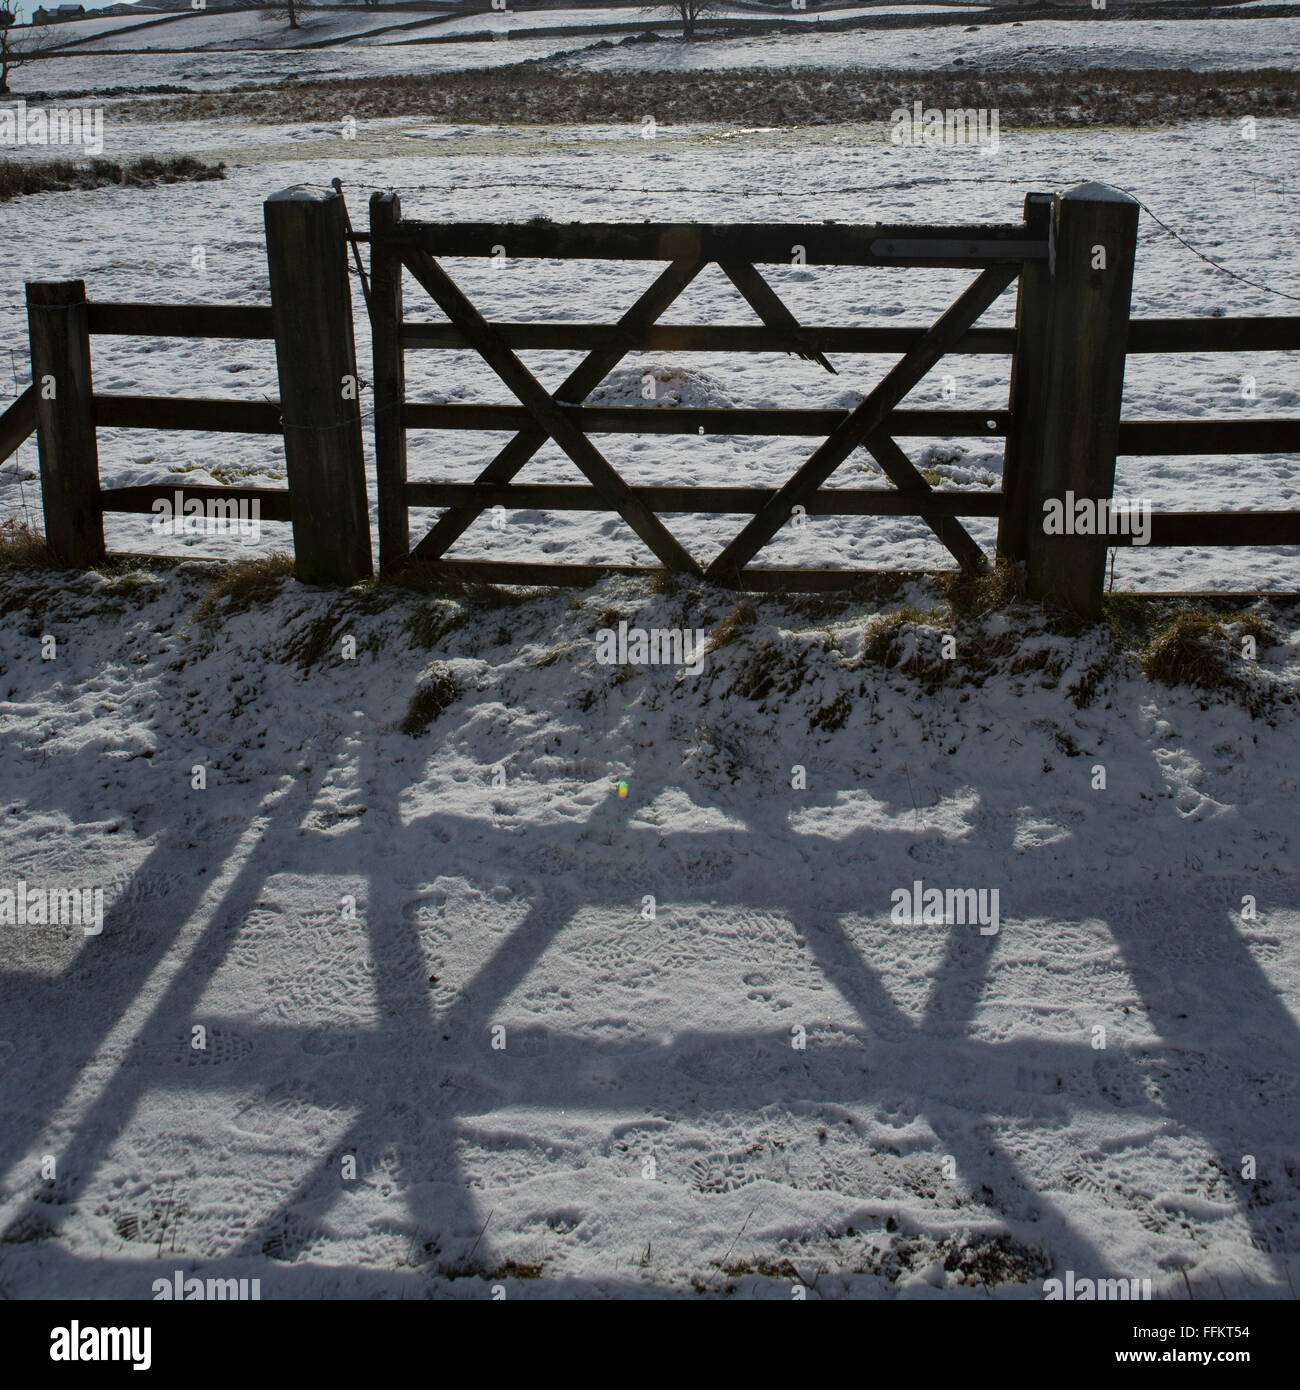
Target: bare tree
point(19, 43)
point(287, 9)
point(689, 12)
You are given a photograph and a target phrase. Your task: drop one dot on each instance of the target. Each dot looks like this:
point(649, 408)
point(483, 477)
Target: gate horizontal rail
point(822, 243)
point(705, 420)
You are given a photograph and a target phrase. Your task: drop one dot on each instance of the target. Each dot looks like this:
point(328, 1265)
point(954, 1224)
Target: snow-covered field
point(581, 1043)
point(1201, 45)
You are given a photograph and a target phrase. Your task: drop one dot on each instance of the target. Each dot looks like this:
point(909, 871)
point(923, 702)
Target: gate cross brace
point(863, 424)
point(575, 389)
point(549, 415)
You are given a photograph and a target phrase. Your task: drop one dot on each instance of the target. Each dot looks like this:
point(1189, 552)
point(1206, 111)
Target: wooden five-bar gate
point(1072, 256)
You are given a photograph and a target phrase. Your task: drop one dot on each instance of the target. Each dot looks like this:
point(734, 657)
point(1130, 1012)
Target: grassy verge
point(529, 93)
point(19, 177)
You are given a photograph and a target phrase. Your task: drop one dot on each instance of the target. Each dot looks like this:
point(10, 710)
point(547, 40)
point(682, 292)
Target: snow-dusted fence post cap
point(1096, 193)
point(304, 193)
point(315, 352)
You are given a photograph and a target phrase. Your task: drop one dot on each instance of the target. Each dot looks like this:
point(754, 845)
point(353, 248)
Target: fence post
point(311, 309)
point(390, 382)
point(59, 332)
point(1094, 245)
point(1027, 398)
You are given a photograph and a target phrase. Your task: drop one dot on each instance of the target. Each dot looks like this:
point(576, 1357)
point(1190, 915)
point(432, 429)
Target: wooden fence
point(1072, 256)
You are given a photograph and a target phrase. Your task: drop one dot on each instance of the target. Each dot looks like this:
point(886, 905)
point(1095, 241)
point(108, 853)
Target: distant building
point(58, 14)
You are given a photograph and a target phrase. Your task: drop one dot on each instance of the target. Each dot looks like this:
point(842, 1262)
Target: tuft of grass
point(19, 178)
point(1203, 651)
point(437, 691)
point(429, 626)
point(974, 595)
point(518, 1269)
point(882, 643)
point(768, 1269)
point(1192, 650)
point(422, 578)
point(22, 547)
point(740, 619)
point(245, 582)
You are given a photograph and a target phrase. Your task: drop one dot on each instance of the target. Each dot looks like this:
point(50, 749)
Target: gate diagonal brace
point(903, 473)
point(548, 414)
point(576, 387)
point(863, 423)
point(765, 302)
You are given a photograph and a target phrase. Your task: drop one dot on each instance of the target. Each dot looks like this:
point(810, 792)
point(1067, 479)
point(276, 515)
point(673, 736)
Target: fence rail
point(1062, 429)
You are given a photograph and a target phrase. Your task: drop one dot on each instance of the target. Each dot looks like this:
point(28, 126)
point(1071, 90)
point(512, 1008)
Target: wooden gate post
point(311, 310)
point(390, 383)
point(59, 331)
point(1027, 399)
point(1094, 245)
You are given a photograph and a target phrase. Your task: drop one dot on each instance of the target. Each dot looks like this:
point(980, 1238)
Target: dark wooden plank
point(182, 413)
point(631, 419)
point(1138, 438)
point(521, 572)
point(1028, 392)
point(1281, 333)
point(65, 421)
point(1220, 528)
point(1145, 336)
point(18, 422)
point(767, 304)
point(767, 579)
point(577, 386)
point(389, 384)
point(684, 337)
point(316, 359)
point(866, 419)
point(952, 251)
point(182, 320)
point(273, 503)
point(547, 413)
point(568, 497)
point(906, 477)
point(1086, 341)
point(823, 243)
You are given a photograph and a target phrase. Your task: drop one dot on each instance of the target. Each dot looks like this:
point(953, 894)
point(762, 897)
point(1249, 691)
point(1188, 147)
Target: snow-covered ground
point(660, 1043)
